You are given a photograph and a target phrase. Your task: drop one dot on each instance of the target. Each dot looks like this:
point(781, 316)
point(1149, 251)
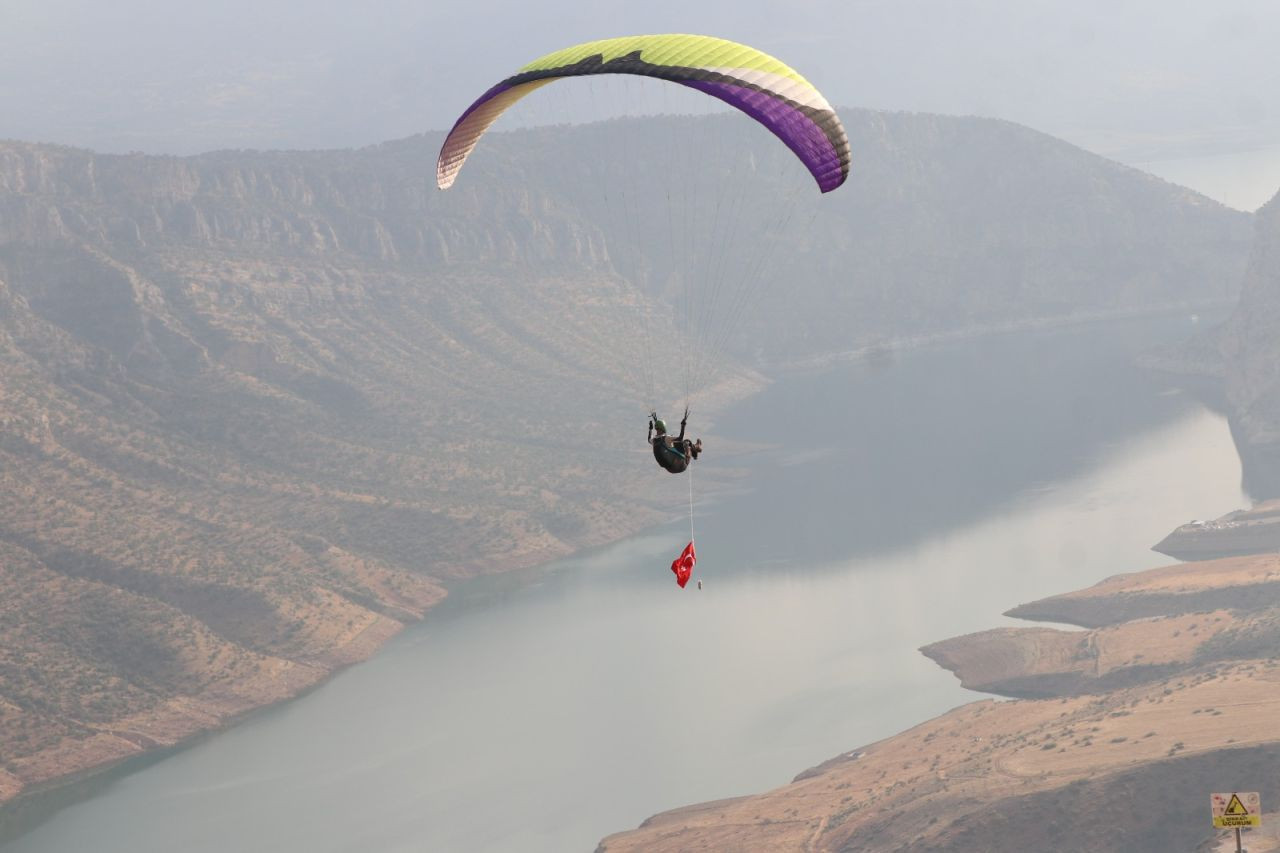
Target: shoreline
point(35, 803)
point(885, 349)
point(1166, 688)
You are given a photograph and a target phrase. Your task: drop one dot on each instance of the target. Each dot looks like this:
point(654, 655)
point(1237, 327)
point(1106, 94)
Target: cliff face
point(257, 410)
point(1250, 342)
point(378, 204)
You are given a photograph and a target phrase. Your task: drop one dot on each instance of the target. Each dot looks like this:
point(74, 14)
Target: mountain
point(258, 410)
point(944, 224)
point(243, 440)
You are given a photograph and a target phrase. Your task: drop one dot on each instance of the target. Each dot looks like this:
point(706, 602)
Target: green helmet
point(659, 425)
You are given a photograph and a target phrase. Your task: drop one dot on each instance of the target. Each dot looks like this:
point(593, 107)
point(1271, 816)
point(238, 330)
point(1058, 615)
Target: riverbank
point(31, 784)
point(849, 551)
point(1171, 692)
point(1206, 312)
point(34, 786)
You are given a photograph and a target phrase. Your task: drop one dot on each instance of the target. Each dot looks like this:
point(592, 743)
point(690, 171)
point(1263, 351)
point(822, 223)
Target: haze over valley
point(261, 410)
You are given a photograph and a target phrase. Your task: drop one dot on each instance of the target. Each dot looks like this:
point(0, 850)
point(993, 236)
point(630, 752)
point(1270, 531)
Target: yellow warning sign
point(1236, 809)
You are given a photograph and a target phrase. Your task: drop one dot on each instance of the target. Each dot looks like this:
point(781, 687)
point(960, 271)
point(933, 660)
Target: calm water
point(907, 503)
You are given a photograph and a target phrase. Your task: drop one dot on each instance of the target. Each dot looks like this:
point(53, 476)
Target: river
point(900, 503)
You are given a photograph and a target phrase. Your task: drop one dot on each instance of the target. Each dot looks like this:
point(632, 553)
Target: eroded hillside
point(243, 440)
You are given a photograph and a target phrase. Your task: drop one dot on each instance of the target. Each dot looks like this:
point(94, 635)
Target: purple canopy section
point(798, 131)
point(493, 92)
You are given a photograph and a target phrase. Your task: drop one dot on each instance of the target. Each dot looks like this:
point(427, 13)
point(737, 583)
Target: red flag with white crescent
point(683, 565)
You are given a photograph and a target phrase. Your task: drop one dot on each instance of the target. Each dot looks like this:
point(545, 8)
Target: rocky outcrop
point(1250, 342)
point(1246, 531)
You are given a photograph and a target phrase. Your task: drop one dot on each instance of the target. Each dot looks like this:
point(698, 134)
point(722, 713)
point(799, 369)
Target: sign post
point(1236, 810)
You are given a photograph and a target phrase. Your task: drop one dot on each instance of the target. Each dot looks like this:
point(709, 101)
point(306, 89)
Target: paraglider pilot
point(673, 454)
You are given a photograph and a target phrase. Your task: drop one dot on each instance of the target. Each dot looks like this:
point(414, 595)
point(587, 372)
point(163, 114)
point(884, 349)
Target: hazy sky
point(1184, 89)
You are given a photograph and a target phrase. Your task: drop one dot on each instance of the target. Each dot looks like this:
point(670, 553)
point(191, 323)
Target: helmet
point(659, 426)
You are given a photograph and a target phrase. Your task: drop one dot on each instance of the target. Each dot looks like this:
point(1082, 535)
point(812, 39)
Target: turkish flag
point(683, 565)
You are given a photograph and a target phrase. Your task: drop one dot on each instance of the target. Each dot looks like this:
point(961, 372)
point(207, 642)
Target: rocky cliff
point(1250, 343)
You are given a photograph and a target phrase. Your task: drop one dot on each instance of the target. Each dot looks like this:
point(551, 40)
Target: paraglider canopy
point(758, 84)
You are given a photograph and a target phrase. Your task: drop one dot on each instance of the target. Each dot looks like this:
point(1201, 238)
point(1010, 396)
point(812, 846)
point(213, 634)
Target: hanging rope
point(690, 472)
